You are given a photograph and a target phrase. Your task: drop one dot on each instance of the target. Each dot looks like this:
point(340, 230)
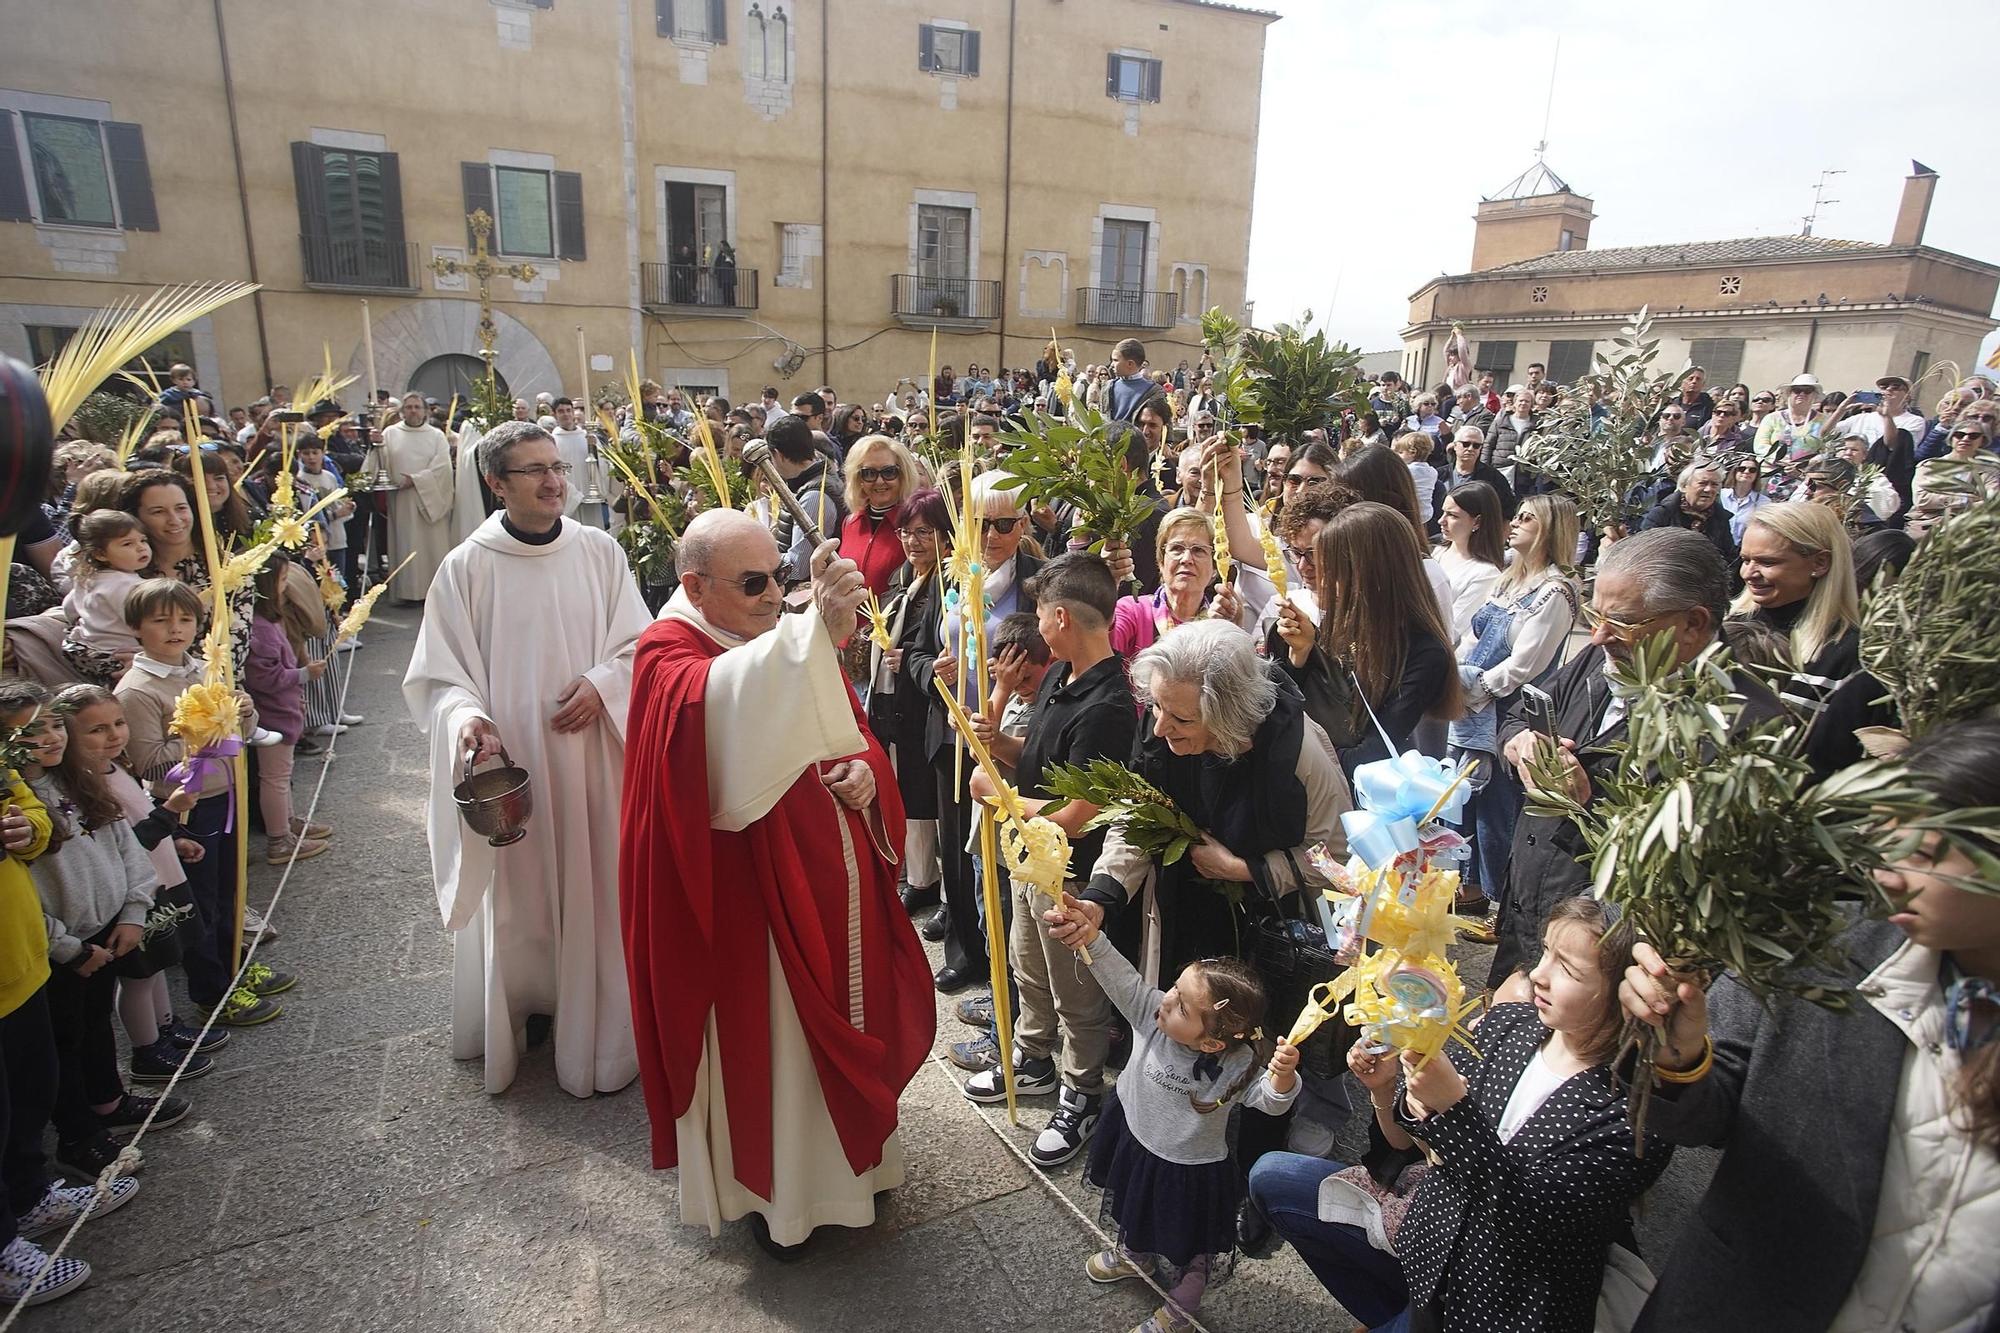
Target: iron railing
point(698, 287)
point(349, 262)
point(915, 296)
point(1119, 308)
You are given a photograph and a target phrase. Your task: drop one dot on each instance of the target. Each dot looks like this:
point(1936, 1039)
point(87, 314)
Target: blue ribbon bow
point(1394, 795)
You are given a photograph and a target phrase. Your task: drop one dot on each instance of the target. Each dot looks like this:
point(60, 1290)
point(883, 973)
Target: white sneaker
point(351, 719)
point(262, 738)
point(23, 1281)
point(330, 729)
point(63, 1204)
point(348, 645)
point(255, 924)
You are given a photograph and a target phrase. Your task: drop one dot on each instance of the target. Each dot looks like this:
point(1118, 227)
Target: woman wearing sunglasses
point(881, 474)
point(1969, 471)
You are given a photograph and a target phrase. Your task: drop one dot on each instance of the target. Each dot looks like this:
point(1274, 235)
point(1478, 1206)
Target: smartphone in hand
point(1539, 711)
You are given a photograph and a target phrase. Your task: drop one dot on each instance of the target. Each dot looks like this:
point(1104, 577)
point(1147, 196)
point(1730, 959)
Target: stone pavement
point(342, 1173)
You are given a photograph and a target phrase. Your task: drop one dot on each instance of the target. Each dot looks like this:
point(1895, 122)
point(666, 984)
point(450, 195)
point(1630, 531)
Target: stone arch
point(1190, 283)
point(412, 334)
point(1045, 283)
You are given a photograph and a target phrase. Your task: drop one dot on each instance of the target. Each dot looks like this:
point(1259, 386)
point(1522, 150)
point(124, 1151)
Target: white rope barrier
point(128, 1156)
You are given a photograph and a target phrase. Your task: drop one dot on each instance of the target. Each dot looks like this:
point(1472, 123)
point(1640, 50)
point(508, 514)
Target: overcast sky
point(1385, 121)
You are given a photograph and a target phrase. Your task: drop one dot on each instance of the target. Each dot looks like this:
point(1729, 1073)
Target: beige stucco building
point(994, 168)
point(1759, 310)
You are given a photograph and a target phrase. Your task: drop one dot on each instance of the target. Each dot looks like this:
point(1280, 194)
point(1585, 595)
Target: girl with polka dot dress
point(1533, 1166)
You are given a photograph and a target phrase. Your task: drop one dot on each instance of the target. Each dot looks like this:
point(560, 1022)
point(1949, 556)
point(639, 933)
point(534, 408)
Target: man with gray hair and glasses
point(1664, 581)
point(525, 655)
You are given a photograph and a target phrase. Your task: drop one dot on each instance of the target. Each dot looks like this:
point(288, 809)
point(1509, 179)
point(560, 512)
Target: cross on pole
point(484, 270)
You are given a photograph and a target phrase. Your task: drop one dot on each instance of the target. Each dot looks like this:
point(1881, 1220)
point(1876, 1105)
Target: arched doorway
point(453, 375)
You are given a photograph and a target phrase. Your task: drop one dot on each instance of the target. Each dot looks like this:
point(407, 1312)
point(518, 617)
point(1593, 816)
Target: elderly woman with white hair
point(1226, 736)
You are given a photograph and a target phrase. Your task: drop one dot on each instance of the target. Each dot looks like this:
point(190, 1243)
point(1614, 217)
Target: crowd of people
point(1402, 579)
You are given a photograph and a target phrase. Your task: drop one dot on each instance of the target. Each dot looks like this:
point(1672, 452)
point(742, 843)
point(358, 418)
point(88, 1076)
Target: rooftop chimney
point(1916, 207)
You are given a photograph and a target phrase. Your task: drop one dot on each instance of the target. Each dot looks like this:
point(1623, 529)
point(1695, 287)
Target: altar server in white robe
point(418, 458)
point(527, 646)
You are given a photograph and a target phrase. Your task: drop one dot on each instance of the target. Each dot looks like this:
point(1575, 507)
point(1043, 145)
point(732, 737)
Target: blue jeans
point(1496, 809)
point(1366, 1281)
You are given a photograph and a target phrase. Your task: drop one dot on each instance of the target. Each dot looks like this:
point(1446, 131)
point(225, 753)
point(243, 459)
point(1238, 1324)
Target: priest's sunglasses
point(752, 584)
point(1625, 631)
point(537, 471)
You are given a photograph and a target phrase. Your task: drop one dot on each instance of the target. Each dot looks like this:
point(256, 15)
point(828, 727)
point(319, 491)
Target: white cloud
point(1383, 123)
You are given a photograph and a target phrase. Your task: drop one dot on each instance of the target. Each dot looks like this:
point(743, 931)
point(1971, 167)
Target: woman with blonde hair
point(880, 474)
point(1798, 579)
point(1514, 639)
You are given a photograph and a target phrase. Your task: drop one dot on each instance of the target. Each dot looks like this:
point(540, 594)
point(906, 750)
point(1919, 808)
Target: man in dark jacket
point(1466, 465)
point(1693, 506)
point(1469, 411)
point(1668, 580)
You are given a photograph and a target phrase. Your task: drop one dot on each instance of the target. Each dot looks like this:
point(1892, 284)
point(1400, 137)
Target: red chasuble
point(699, 905)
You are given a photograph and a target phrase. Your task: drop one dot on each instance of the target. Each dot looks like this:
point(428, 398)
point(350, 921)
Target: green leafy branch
point(1075, 464)
point(1146, 817)
point(1601, 459)
point(1930, 636)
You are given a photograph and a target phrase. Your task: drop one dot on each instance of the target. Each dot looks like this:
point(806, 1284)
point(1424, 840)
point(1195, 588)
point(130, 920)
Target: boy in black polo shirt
point(1084, 711)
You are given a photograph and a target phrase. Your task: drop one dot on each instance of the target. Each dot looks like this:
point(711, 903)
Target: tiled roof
point(1690, 252)
point(1234, 9)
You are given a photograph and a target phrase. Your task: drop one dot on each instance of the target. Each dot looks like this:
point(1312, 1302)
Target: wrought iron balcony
point(1117, 308)
point(696, 287)
point(915, 297)
point(348, 263)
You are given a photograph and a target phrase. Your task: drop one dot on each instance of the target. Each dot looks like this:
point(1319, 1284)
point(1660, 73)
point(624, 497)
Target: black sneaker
point(975, 1011)
point(88, 1157)
point(132, 1111)
point(1032, 1078)
point(157, 1063)
point(1068, 1129)
point(183, 1036)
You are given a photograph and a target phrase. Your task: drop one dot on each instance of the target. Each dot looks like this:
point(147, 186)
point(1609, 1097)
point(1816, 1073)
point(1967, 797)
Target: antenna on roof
point(1549, 104)
point(1819, 201)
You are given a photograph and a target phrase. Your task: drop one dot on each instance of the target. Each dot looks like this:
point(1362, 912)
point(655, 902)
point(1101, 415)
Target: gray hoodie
point(93, 880)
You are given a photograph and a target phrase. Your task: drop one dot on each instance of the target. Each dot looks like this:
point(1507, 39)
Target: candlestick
point(368, 351)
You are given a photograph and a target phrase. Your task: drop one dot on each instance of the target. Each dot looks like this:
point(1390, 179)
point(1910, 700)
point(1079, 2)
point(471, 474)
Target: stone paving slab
point(342, 1173)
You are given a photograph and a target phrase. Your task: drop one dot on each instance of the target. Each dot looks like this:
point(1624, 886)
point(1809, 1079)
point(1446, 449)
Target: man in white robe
point(470, 505)
point(526, 649)
point(574, 446)
point(418, 458)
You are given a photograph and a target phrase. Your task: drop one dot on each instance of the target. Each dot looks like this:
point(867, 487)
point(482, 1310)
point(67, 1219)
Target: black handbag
point(1292, 955)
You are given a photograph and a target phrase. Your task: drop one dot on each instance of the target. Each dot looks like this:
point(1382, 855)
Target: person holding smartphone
point(1664, 581)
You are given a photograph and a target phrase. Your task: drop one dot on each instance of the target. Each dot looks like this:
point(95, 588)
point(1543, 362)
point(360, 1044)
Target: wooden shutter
point(926, 51)
point(1111, 75)
point(1152, 80)
point(569, 215)
point(397, 258)
point(478, 181)
point(309, 184)
point(13, 182)
point(663, 17)
point(130, 176)
point(971, 53)
point(718, 21)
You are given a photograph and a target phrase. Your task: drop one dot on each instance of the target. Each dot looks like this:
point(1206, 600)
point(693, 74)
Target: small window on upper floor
point(1568, 241)
point(75, 172)
point(692, 20)
point(943, 50)
point(1131, 78)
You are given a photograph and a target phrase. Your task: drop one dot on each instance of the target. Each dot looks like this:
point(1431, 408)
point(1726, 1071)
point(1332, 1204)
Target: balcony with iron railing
point(349, 264)
point(1118, 308)
point(916, 299)
point(698, 288)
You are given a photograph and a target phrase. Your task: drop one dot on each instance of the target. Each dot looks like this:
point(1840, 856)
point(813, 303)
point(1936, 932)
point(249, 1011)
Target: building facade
point(743, 192)
point(1760, 310)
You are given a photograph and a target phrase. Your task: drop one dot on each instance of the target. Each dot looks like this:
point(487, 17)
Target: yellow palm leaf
point(120, 332)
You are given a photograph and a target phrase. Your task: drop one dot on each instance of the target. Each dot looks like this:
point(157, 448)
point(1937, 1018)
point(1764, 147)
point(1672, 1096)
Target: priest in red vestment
point(780, 999)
